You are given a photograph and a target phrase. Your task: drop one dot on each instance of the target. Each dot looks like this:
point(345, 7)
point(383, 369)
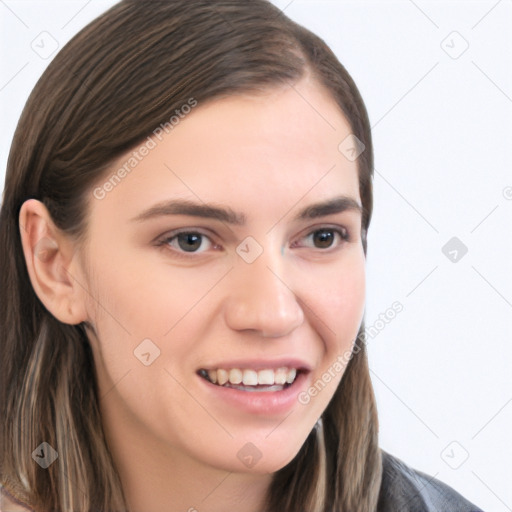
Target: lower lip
point(258, 402)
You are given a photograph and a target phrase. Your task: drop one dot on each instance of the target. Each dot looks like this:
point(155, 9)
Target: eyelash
point(343, 233)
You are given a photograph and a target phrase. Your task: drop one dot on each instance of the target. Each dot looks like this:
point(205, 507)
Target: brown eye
point(323, 238)
point(184, 243)
point(189, 242)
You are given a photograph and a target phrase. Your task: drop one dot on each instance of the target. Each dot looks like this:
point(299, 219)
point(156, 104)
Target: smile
point(251, 380)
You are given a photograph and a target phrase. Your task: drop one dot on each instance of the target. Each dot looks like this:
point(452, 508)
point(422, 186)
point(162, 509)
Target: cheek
point(131, 302)
point(340, 304)
point(340, 299)
point(134, 302)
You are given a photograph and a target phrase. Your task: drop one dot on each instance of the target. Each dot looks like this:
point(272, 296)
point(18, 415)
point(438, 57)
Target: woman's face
point(278, 291)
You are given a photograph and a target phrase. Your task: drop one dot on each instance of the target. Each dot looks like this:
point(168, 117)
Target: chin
point(262, 467)
point(269, 455)
point(252, 457)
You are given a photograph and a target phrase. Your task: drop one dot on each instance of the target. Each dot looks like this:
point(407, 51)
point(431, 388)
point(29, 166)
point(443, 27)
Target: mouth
point(250, 380)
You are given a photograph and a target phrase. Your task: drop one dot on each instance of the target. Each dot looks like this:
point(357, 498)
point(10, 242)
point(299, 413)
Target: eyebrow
point(337, 204)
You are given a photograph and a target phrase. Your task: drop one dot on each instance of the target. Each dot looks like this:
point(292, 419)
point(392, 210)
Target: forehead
point(268, 150)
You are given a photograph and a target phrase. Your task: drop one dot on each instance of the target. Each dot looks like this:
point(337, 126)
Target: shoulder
point(409, 490)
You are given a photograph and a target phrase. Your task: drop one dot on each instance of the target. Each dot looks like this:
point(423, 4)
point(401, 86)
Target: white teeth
point(212, 374)
point(280, 376)
point(291, 375)
point(249, 377)
point(235, 376)
point(222, 377)
point(265, 377)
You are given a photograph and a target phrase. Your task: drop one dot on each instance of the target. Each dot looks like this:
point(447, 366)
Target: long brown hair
point(119, 78)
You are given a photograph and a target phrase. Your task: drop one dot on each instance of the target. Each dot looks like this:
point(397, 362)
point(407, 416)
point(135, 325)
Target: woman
point(185, 214)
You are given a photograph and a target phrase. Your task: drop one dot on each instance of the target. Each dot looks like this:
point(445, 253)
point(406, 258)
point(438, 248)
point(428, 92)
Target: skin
point(268, 156)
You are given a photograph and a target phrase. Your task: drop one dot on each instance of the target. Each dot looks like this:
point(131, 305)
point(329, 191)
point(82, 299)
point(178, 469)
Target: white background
point(442, 127)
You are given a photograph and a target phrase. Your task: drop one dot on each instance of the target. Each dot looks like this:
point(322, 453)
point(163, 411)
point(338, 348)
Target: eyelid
point(320, 227)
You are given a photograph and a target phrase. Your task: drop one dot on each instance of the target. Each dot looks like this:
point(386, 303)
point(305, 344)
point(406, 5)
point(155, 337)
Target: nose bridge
point(262, 299)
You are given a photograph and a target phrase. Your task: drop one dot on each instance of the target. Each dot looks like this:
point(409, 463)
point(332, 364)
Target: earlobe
point(50, 263)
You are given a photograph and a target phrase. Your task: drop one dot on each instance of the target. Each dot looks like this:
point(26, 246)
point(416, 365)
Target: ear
point(52, 264)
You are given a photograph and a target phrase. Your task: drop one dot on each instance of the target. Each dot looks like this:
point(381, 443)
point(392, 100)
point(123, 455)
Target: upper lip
point(260, 364)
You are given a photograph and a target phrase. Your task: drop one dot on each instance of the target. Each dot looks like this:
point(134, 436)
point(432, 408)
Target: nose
point(261, 299)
